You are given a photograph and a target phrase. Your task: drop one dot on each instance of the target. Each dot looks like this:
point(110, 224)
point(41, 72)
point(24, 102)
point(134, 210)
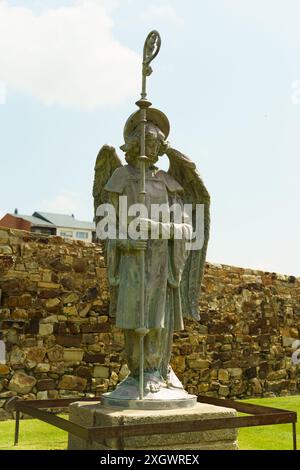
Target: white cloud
point(163, 12)
point(66, 56)
point(66, 202)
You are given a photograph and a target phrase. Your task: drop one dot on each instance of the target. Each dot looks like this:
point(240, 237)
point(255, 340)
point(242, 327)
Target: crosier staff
point(151, 49)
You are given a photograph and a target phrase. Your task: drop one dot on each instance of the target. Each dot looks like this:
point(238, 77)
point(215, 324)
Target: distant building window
point(44, 231)
point(66, 234)
point(82, 235)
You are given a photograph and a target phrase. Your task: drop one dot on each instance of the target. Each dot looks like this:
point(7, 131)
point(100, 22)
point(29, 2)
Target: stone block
point(92, 358)
point(36, 354)
point(70, 311)
point(4, 369)
point(103, 319)
point(53, 394)
point(17, 356)
point(95, 328)
point(223, 375)
point(124, 372)
point(33, 326)
point(71, 382)
point(50, 319)
point(56, 353)
point(85, 310)
point(71, 298)
point(73, 354)
point(94, 414)
point(84, 371)
point(287, 341)
point(19, 314)
point(235, 372)
point(256, 386)
point(21, 383)
point(48, 285)
point(101, 371)
point(42, 368)
point(69, 340)
point(250, 373)
point(178, 363)
point(224, 390)
point(45, 329)
point(45, 384)
point(89, 338)
point(198, 364)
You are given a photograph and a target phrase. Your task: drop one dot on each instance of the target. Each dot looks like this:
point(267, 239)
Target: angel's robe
point(164, 259)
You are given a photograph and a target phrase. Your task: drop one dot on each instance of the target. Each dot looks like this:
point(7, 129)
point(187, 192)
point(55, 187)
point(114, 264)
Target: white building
point(69, 227)
point(48, 223)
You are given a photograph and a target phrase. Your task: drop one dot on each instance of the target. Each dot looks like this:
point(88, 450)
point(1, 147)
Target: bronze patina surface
point(154, 283)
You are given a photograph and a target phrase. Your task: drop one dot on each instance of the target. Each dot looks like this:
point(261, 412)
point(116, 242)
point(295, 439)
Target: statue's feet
point(152, 387)
point(153, 382)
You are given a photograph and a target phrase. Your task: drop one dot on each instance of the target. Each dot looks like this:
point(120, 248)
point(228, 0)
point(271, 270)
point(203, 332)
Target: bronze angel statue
point(172, 272)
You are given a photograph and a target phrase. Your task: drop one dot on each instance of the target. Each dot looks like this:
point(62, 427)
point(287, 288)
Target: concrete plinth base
point(94, 414)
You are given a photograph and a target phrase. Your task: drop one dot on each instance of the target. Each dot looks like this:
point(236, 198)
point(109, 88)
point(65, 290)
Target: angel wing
point(106, 163)
point(184, 171)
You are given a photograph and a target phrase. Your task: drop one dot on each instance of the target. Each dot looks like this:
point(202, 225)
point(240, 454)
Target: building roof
point(33, 220)
point(64, 220)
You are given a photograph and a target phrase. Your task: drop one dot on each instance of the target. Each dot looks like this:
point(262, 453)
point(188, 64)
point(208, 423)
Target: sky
point(227, 76)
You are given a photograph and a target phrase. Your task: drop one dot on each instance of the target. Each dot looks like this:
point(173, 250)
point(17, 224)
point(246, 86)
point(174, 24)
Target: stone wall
point(60, 341)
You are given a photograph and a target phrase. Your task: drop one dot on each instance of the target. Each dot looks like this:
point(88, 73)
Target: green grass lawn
point(278, 437)
point(36, 435)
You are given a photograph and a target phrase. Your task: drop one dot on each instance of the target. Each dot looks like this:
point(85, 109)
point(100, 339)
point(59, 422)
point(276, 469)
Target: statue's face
point(152, 144)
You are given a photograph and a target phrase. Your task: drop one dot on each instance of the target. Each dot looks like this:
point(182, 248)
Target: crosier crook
point(151, 49)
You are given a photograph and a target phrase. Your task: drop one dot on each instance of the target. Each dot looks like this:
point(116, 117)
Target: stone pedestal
point(95, 414)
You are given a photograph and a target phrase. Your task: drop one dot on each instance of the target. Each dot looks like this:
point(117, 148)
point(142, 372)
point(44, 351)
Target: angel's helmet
point(157, 131)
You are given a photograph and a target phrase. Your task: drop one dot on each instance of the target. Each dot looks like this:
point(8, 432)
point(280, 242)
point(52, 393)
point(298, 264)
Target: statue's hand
point(132, 245)
point(155, 229)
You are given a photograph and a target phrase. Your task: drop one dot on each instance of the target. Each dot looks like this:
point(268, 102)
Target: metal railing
point(259, 416)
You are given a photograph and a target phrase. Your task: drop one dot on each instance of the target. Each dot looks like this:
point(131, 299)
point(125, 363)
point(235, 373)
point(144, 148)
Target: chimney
point(16, 211)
